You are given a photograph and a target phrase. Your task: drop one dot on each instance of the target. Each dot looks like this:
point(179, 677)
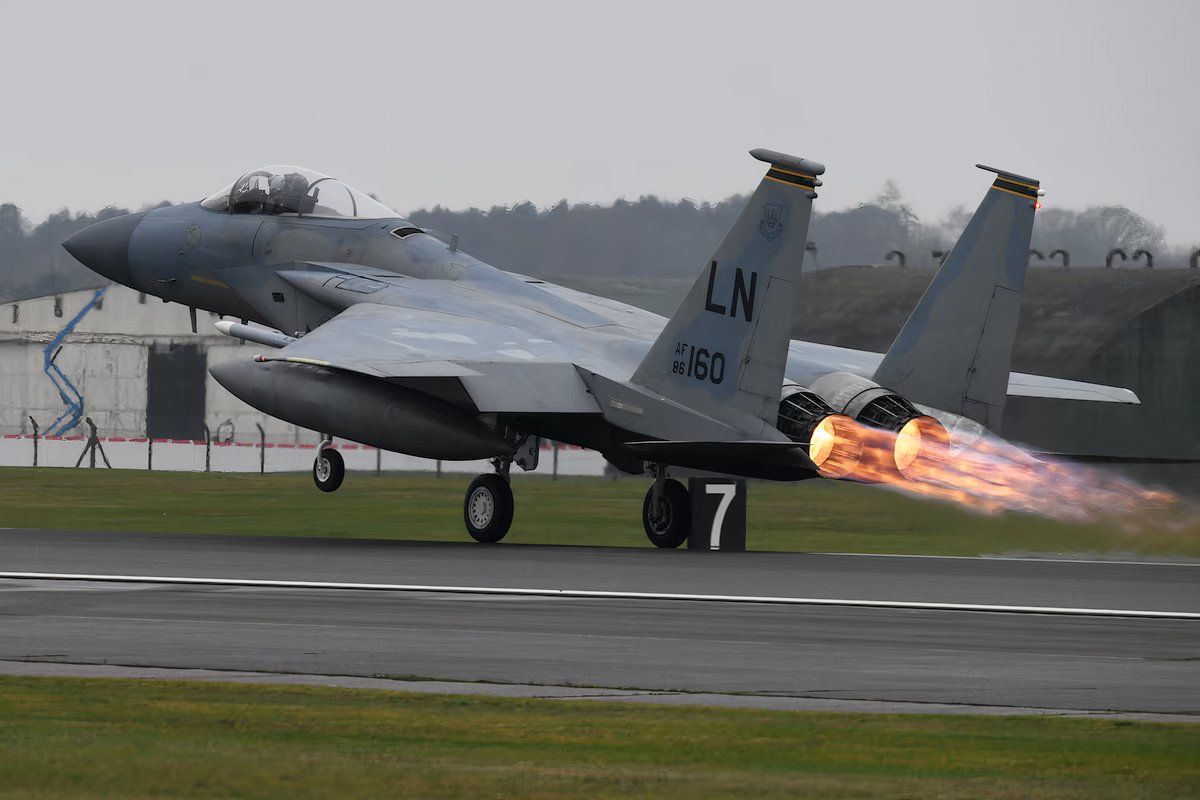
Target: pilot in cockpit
point(288, 190)
point(287, 194)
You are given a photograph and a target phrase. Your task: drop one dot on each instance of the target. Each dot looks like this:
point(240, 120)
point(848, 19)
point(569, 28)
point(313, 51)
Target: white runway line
point(1026, 559)
point(608, 595)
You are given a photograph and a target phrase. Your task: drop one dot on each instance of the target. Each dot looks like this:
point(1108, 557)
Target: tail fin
point(725, 347)
point(955, 351)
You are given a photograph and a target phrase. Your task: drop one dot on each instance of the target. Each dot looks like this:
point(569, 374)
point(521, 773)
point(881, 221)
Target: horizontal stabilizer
point(1022, 385)
point(751, 458)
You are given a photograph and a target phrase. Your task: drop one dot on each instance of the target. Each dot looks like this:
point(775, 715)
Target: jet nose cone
point(104, 247)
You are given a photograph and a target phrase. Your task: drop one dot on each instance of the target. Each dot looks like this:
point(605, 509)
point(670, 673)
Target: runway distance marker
point(591, 594)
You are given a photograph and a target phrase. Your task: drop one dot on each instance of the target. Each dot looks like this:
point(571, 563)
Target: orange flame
point(992, 475)
point(836, 446)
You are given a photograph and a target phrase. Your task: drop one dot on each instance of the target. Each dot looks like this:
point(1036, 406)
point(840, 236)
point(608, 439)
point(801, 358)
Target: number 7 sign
point(718, 514)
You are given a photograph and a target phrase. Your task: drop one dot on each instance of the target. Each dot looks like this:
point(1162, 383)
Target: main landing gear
point(667, 510)
point(329, 469)
point(488, 507)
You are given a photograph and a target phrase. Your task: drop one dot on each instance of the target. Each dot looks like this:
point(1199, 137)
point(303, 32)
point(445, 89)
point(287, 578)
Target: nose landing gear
point(488, 507)
point(329, 469)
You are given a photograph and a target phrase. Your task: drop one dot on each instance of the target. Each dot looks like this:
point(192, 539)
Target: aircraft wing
point(504, 368)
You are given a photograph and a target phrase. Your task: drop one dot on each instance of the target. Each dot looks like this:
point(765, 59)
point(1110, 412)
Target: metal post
point(149, 452)
point(97, 444)
point(33, 422)
point(439, 468)
point(554, 476)
point(262, 449)
point(93, 444)
point(378, 462)
point(207, 449)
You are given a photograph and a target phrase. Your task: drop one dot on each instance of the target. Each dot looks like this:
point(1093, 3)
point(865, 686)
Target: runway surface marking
point(1033, 559)
point(609, 595)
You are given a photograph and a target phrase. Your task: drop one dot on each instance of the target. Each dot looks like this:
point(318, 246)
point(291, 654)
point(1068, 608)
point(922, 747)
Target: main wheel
point(488, 508)
point(668, 525)
point(329, 470)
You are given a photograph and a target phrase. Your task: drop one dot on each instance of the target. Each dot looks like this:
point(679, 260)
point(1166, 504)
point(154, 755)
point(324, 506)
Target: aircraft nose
point(104, 247)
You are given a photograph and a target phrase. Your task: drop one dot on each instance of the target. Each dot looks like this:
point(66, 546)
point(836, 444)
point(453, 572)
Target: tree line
point(649, 237)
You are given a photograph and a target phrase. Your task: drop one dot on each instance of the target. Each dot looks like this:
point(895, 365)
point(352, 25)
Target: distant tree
point(648, 238)
point(1091, 233)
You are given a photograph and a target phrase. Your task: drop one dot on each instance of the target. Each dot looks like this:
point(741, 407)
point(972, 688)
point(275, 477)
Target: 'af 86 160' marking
point(699, 363)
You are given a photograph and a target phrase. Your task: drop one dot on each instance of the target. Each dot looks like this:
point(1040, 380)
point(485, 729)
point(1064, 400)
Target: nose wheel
point(667, 513)
point(488, 508)
point(329, 469)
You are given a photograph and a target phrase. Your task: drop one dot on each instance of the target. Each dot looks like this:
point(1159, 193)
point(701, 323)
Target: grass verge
point(809, 516)
point(138, 738)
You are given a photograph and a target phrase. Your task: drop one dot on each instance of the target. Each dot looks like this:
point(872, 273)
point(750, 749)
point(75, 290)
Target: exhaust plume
point(991, 475)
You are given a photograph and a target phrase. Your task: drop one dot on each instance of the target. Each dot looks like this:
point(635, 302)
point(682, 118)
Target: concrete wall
point(106, 358)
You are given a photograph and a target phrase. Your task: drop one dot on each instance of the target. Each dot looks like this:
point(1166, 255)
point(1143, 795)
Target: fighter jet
point(379, 332)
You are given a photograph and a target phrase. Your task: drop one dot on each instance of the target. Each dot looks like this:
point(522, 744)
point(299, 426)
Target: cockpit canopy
point(281, 189)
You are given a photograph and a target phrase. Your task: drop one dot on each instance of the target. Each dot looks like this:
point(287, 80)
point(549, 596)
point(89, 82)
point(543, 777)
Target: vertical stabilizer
point(724, 349)
point(955, 351)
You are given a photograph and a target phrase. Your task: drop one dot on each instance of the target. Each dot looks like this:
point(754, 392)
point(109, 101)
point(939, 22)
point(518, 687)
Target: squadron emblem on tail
point(771, 224)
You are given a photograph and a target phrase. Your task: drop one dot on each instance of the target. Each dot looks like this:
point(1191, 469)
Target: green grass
point(810, 516)
point(127, 738)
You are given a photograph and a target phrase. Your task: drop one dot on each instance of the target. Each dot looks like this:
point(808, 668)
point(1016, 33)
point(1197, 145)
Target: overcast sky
point(495, 102)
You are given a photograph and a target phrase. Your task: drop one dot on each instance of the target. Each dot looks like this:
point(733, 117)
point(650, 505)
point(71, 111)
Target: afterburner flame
point(921, 441)
point(991, 475)
point(835, 446)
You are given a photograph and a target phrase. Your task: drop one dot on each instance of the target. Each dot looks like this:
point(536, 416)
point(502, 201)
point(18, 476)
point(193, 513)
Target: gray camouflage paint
point(414, 346)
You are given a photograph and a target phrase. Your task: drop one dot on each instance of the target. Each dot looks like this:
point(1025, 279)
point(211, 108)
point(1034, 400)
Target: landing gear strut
point(666, 511)
point(488, 507)
point(329, 469)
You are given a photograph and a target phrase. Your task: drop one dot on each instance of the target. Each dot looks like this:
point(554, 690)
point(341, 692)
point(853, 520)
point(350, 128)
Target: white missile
point(262, 336)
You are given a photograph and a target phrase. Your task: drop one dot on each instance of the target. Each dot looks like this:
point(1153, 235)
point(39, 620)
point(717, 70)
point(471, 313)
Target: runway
point(883, 655)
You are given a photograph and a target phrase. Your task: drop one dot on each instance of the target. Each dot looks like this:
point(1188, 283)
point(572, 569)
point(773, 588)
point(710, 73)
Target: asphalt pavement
point(880, 658)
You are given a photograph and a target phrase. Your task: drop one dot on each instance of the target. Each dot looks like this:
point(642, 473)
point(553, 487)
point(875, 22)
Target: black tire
point(329, 470)
point(671, 528)
point(488, 508)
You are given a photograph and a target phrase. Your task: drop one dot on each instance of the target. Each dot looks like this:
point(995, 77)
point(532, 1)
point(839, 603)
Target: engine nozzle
point(907, 441)
point(834, 444)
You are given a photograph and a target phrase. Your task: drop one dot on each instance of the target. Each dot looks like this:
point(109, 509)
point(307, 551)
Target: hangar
point(129, 362)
